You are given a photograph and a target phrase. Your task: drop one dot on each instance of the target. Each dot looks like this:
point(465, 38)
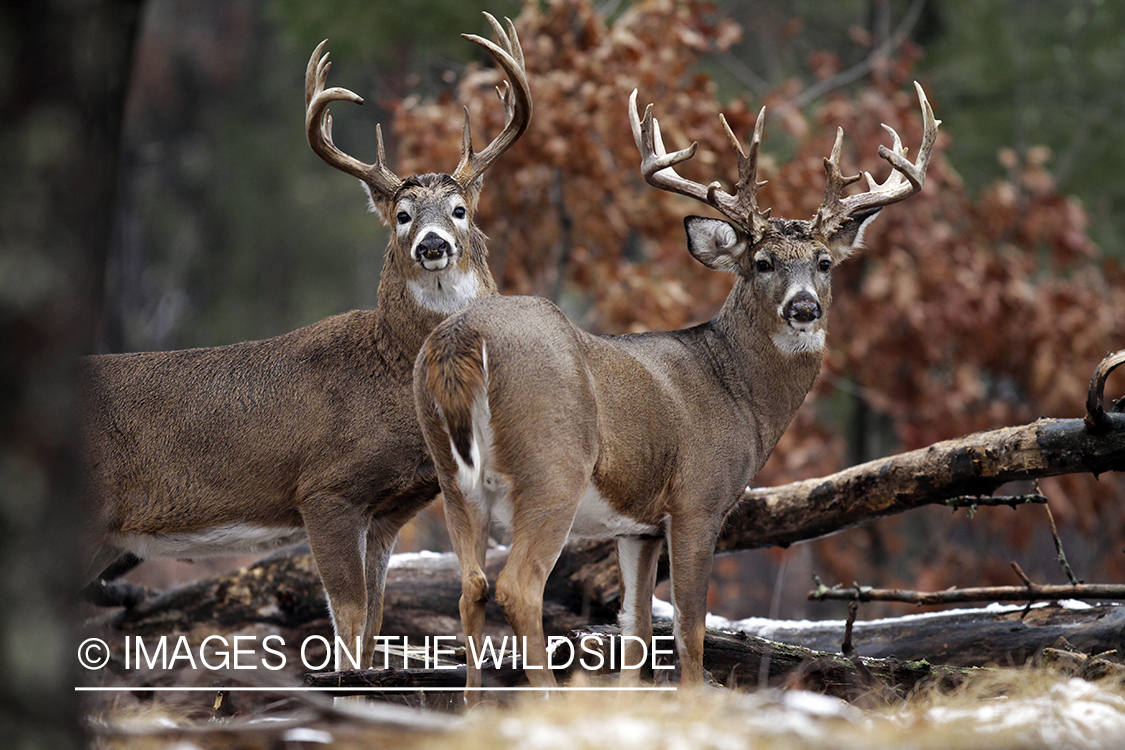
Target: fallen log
point(735, 660)
point(283, 591)
point(423, 590)
point(974, 465)
point(967, 637)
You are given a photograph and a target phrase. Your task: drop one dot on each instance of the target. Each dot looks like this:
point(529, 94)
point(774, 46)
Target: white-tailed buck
point(257, 445)
point(646, 438)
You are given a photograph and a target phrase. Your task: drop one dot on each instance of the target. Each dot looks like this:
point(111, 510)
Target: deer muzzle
point(803, 308)
point(434, 252)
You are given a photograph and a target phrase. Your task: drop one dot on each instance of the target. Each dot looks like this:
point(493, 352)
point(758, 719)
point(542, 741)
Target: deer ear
point(376, 204)
point(471, 192)
point(715, 243)
point(849, 237)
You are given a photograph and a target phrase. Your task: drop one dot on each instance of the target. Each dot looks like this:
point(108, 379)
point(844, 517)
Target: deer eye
point(459, 212)
point(763, 265)
point(403, 217)
point(825, 265)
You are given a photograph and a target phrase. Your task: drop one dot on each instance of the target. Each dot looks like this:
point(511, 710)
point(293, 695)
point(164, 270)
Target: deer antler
point(318, 126)
point(905, 179)
point(657, 169)
point(516, 100)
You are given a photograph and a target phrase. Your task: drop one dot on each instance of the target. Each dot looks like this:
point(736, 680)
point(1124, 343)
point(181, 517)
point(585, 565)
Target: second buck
point(254, 446)
point(645, 438)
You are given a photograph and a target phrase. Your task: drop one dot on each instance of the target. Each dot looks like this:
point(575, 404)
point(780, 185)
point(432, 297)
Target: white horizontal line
point(357, 689)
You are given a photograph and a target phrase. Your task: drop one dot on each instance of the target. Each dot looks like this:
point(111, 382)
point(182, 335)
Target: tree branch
point(854, 73)
point(1029, 592)
point(974, 465)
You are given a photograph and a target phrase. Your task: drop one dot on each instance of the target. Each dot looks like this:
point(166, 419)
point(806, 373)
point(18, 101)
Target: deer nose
point(803, 308)
point(432, 247)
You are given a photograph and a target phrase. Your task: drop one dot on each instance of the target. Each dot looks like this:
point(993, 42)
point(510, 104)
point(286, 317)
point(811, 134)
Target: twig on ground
point(1029, 592)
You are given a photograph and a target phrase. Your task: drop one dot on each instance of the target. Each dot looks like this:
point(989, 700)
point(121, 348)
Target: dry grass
point(1001, 709)
point(1007, 708)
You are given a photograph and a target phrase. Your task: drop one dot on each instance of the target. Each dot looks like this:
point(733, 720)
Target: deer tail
point(455, 371)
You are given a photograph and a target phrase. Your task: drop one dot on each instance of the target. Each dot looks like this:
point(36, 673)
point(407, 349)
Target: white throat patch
point(446, 291)
point(791, 340)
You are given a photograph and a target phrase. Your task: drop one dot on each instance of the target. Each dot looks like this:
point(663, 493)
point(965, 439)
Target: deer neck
point(401, 324)
point(774, 382)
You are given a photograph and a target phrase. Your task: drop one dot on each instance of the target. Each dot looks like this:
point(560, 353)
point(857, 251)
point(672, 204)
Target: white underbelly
point(220, 541)
point(597, 519)
point(594, 518)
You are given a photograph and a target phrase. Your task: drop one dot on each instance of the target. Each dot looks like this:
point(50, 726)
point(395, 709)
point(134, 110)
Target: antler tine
point(318, 128)
point(746, 190)
point(657, 169)
point(834, 185)
point(515, 99)
point(905, 180)
point(508, 38)
point(656, 163)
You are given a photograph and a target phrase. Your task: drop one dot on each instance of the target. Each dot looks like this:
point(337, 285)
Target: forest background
point(985, 301)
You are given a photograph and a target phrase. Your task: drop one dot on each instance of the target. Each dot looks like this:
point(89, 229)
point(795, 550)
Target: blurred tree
point(390, 34)
point(229, 227)
point(1011, 75)
point(62, 75)
point(1026, 75)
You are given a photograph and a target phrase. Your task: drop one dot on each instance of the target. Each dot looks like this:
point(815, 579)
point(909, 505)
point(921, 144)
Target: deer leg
point(468, 531)
point(337, 532)
point(637, 559)
point(381, 538)
point(536, 545)
point(691, 545)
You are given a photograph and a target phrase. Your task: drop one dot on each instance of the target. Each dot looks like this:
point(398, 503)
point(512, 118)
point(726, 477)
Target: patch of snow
point(820, 705)
point(1074, 604)
point(406, 558)
point(733, 726)
point(1075, 715)
point(662, 610)
point(304, 734)
point(620, 731)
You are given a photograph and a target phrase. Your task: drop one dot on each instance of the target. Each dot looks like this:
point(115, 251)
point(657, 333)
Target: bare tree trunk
point(66, 69)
